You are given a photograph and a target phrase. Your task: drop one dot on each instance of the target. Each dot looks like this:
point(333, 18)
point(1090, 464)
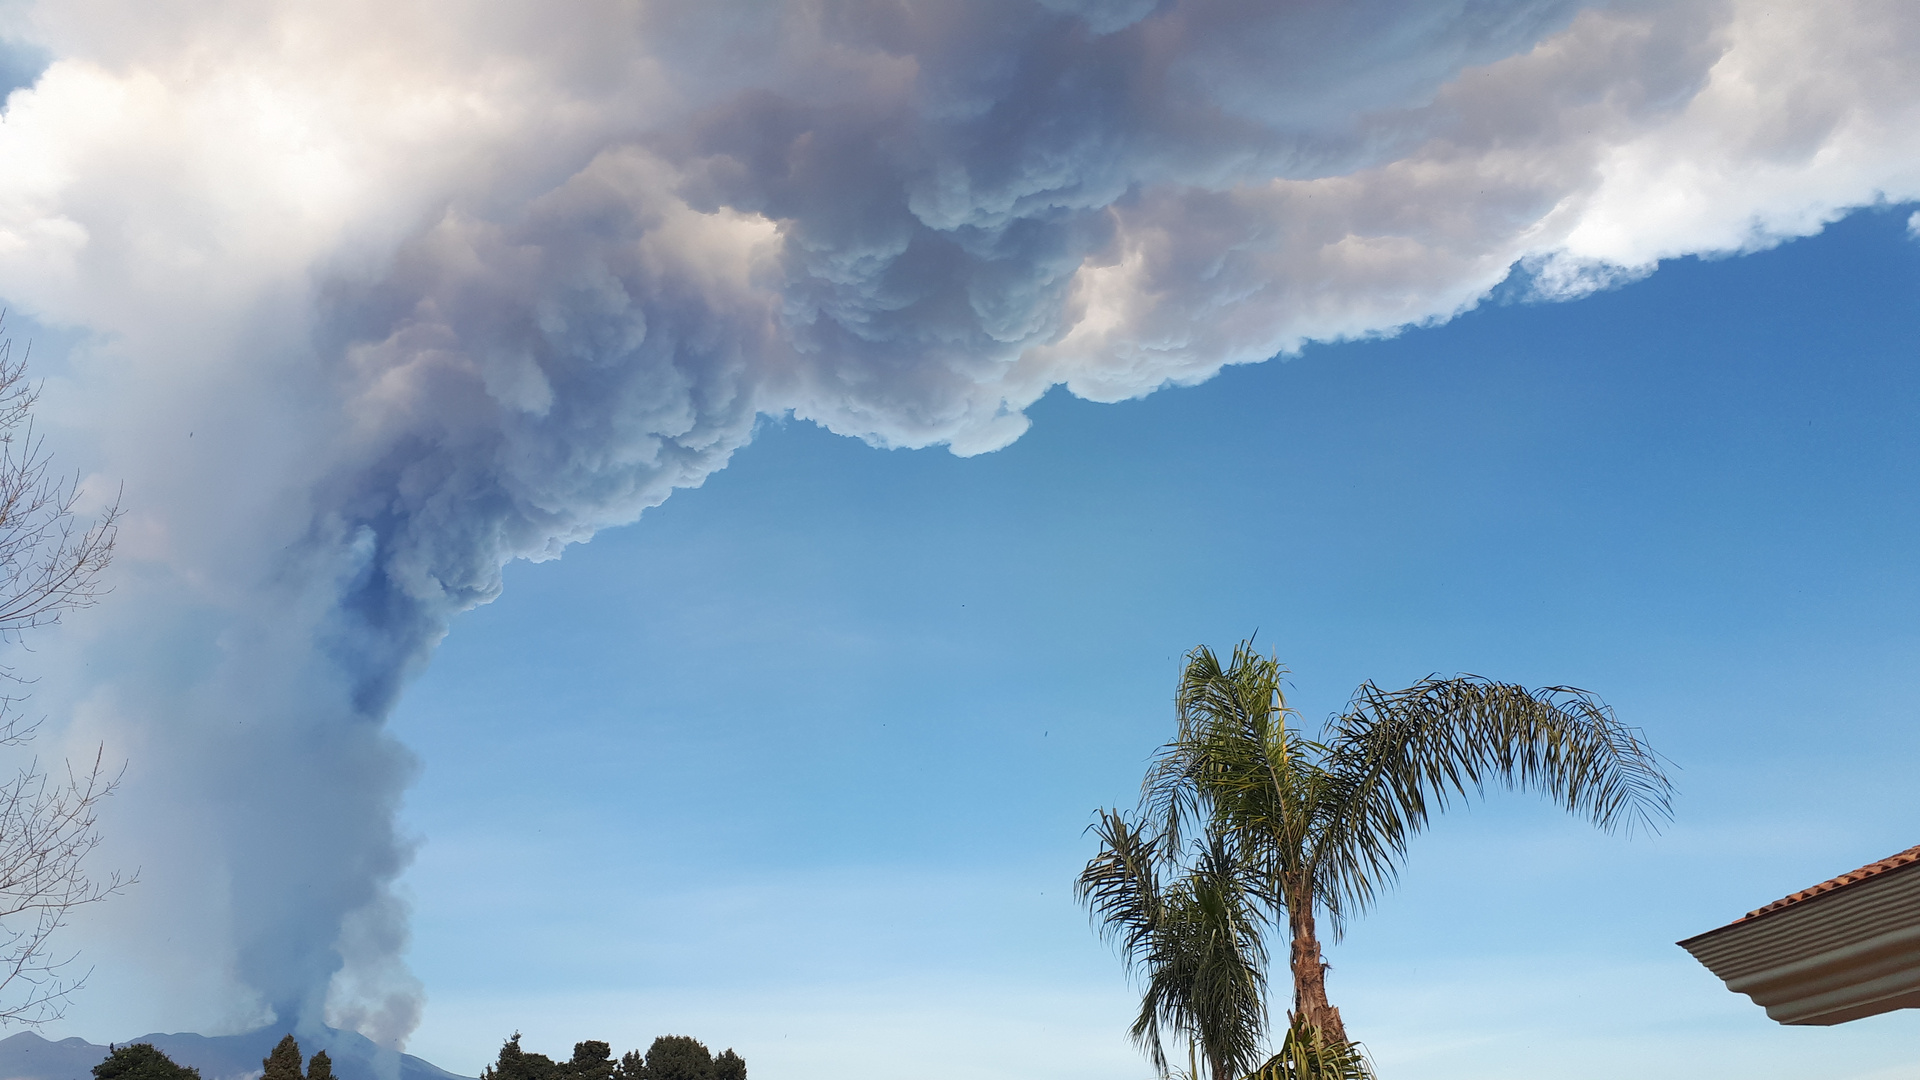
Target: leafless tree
point(51, 561)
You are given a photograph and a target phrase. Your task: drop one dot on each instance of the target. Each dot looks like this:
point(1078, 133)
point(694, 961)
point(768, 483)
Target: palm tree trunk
point(1310, 970)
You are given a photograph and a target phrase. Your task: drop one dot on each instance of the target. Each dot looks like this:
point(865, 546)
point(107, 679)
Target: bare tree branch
point(51, 562)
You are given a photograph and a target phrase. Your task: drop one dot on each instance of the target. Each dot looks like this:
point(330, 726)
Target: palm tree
point(1319, 826)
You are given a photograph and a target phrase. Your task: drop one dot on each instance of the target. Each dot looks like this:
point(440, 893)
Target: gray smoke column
point(387, 295)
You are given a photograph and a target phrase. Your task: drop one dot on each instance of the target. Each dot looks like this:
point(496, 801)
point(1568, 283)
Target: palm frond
point(1120, 888)
point(1236, 764)
point(1194, 941)
point(1395, 758)
point(1120, 885)
point(1220, 935)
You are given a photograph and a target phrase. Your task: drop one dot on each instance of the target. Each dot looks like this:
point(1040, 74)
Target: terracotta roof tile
point(1852, 877)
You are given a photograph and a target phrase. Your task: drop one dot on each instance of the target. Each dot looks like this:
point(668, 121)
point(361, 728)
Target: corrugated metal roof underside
point(1827, 958)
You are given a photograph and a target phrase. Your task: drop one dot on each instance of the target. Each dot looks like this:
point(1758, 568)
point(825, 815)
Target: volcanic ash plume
point(378, 297)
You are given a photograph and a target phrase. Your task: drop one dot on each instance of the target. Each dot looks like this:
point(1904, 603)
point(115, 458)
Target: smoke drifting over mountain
point(382, 296)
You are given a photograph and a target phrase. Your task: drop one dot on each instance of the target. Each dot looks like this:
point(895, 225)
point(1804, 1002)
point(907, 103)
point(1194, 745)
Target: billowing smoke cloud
point(383, 296)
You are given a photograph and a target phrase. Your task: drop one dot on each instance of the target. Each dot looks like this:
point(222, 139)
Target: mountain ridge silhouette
point(28, 1056)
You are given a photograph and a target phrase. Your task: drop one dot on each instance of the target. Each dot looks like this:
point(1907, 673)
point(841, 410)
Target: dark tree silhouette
point(679, 1057)
point(517, 1064)
point(284, 1062)
point(729, 1066)
point(140, 1061)
point(592, 1060)
point(671, 1057)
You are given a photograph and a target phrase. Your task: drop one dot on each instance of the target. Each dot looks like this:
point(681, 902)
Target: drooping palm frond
point(1305, 1054)
point(1121, 890)
point(1194, 941)
point(1395, 758)
point(1214, 942)
point(1120, 885)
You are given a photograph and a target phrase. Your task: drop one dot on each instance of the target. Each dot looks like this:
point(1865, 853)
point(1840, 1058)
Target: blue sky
point(828, 729)
point(516, 622)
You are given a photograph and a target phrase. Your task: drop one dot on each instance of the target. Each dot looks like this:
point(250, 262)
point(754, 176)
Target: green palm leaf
point(1306, 1054)
point(1193, 940)
point(1395, 758)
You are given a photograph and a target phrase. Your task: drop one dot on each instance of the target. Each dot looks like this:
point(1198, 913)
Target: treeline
point(671, 1057)
point(142, 1061)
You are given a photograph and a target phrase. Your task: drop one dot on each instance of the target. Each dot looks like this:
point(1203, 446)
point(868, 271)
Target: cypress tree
point(284, 1062)
point(321, 1067)
point(729, 1066)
